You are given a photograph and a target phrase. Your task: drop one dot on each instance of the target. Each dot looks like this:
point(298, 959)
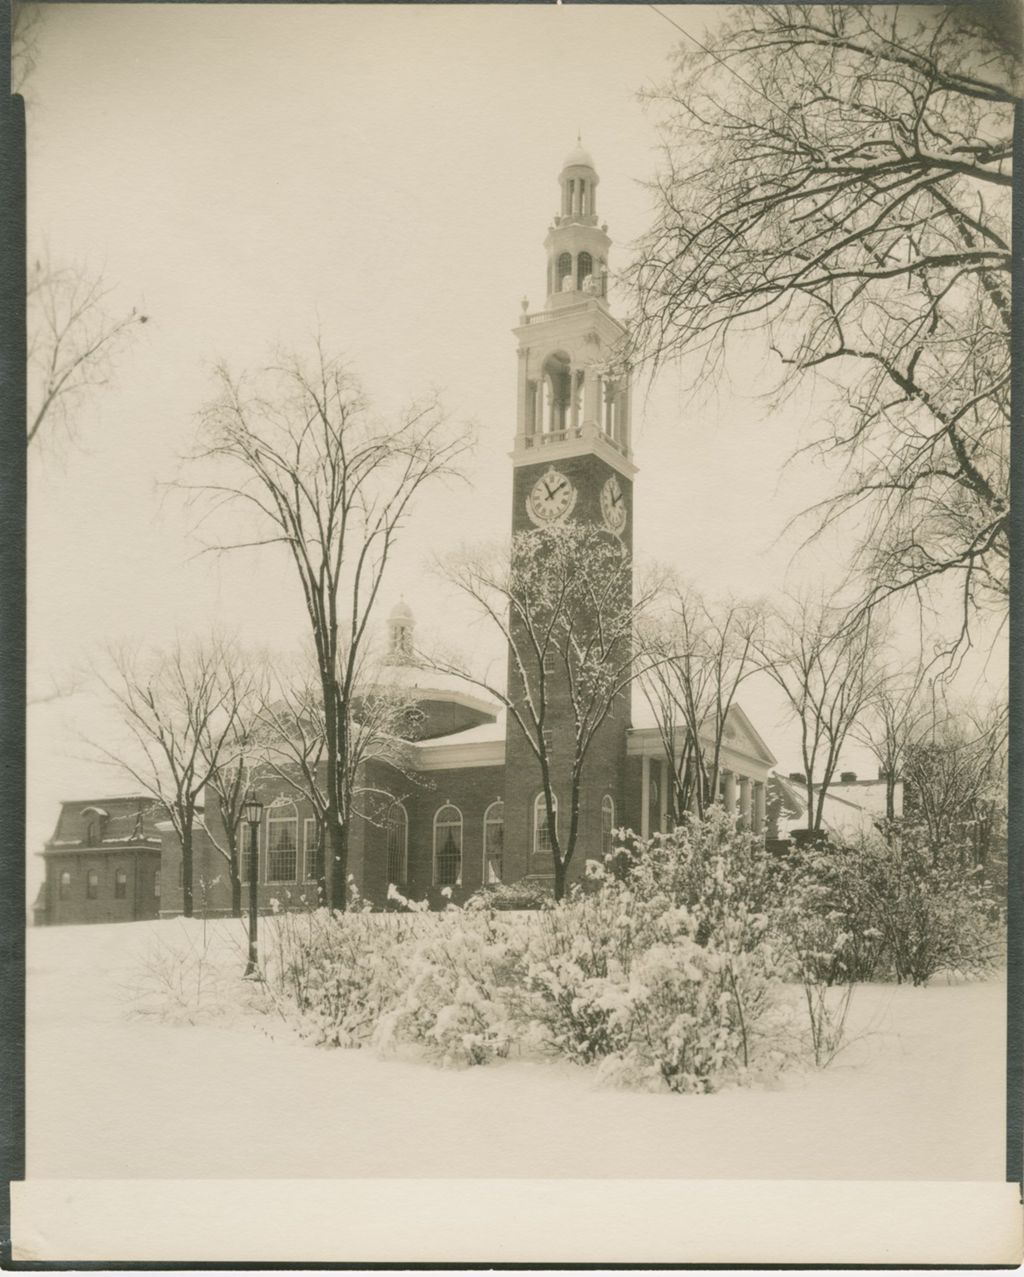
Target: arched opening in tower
point(556, 394)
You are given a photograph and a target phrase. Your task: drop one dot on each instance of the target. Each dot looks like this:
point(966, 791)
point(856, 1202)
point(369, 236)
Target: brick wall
point(140, 901)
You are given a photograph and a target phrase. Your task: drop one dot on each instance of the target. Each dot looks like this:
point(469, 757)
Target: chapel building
point(466, 808)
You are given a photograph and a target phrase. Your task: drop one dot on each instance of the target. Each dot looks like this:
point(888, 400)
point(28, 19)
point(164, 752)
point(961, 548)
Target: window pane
point(120, 884)
point(282, 845)
point(397, 838)
point(448, 847)
point(92, 884)
point(314, 856)
point(494, 840)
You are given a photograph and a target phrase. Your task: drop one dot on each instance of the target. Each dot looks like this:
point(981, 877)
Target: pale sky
point(386, 173)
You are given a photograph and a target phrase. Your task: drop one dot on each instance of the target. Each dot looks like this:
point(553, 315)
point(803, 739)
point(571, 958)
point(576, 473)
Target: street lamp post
point(252, 810)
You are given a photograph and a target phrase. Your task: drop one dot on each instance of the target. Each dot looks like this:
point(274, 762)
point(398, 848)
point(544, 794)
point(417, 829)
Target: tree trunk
point(336, 863)
point(236, 888)
point(186, 871)
point(560, 873)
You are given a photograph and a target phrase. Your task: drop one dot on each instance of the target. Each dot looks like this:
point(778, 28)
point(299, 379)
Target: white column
point(591, 390)
point(729, 792)
point(663, 797)
point(745, 801)
point(645, 797)
point(521, 392)
point(759, 806)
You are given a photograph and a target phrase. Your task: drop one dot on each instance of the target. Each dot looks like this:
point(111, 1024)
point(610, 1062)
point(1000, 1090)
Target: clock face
point(551, 498)
point(613, 505)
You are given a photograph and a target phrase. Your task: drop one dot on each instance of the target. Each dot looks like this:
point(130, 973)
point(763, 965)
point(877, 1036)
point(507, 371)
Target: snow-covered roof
point(436, 685)
point(480, 746)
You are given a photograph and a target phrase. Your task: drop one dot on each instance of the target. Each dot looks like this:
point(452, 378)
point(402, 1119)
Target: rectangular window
point(282, 849)
point(65, 885)
point(92, 884)
point(120, 884)
point(548, 739)
point(156, 884)
point(311, 841)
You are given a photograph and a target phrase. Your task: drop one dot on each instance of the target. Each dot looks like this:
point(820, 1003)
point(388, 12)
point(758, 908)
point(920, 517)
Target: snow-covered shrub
point(663, 969)
point(932, 906)
point(452, 993)
point(512, 895)
point(823, 916)
point(827, 1010)
point(724, 877)
point(339, 971)
point(895, 907)
point(190, 977)
point(577, 969)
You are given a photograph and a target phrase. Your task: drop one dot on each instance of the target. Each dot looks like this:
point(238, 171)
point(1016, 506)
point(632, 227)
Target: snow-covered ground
point(918, 1094)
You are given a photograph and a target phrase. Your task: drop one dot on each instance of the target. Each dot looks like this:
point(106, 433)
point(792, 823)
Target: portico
point(744, 765)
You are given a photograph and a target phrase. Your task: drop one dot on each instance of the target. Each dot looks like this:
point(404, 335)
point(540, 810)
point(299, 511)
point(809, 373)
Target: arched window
point(396, 828)
point(92, 833)
point(584, 267)
point(542, 845)
point(65, 885)
point(563, 269)
point(92, 884)
point(494, 842)
point(282, 843)
point(607, 824)
point(120, 884)
point(447, 846)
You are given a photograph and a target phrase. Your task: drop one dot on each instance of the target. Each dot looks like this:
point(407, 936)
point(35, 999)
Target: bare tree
point(293, 740)
point(562, 604)
point(26, 20)
point(706, 652)
point(299, 450)
point(824, 666)
point(892, 721)
point(955, 777)
point(73, 340)
point(837, 179)
point(234, 763)
point(181, 710)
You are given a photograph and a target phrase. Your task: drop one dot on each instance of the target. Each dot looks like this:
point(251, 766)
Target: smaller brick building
point(102, 863)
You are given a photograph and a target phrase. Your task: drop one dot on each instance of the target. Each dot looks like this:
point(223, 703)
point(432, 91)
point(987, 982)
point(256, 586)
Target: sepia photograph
point(517, 611)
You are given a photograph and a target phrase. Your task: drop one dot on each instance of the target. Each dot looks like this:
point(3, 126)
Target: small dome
point(579, 158)
point(401, 611)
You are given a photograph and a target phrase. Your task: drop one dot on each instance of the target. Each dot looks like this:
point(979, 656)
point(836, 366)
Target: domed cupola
point(579, 186)
point(401, 626)
point(577, 246)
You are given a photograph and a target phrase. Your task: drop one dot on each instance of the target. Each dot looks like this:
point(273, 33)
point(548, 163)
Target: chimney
point(847, 778)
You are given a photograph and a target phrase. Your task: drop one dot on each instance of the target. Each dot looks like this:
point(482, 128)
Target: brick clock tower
point(571, 461)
